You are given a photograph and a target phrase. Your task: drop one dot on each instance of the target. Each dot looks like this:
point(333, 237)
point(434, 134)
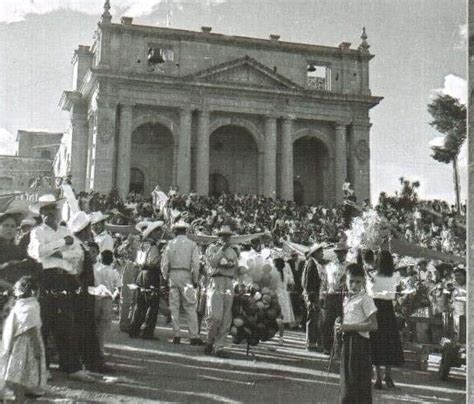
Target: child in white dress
point(23, 357)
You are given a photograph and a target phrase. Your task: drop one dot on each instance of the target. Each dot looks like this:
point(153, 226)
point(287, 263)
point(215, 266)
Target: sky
point(419, 47)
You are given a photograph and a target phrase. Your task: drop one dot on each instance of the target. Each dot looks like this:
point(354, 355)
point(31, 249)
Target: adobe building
point(34, 160)
point(212, 113)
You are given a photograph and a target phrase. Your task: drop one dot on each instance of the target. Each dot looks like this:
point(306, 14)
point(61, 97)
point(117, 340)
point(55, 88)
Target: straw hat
point(79, 221)
point(225, 230)
point(145, 228)
point(315, 247)
point(97, 217)
point(180, 225)
point(45, 200)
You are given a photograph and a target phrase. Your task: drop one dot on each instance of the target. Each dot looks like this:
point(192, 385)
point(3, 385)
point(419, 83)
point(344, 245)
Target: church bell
point(155, 56)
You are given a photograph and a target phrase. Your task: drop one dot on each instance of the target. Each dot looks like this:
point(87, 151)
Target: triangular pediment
point(243, 72)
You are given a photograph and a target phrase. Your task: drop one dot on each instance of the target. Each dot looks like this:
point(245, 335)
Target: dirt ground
point(158, 371)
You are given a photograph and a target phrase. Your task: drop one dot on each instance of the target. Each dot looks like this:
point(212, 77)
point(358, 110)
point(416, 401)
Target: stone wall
point(17, 173)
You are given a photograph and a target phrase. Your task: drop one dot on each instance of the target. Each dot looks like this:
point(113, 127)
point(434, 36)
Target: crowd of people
point(178, 253)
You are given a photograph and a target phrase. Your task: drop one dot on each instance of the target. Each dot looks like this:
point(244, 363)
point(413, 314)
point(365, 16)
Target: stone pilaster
point(124, 150)
point(202, 154)
point(183, 177)
point(286, 186)
point(102, 159)
point(360, 145)
point(79, 146)
point(340, 161)
point(269, 179)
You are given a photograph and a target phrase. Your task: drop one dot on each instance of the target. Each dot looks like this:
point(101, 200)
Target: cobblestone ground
point(158, 371)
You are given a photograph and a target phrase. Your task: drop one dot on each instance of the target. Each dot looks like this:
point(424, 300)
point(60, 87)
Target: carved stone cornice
point(69, 99)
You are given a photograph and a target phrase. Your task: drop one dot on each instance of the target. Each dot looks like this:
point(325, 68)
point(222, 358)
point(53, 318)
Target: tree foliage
point(449, 118)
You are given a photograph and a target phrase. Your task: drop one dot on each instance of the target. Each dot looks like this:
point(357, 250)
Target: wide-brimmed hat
point(28, 222)
point(17, 207)
point(180, 225)
point(45, 200)
point(145, 228)
point(315, 247)
point(225, 230)
point(341, 246)
point(79, 221)
point(97, 217)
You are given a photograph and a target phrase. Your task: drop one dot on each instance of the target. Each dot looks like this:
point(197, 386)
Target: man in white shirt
point(53, 246)
point(180, 264)
point(101, 236)
point(331, 294)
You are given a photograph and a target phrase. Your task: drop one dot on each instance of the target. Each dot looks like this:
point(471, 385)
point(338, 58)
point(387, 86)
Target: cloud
point(455, 87)
point(437, 142)
point(462, 37)
point(7, 142)
point(17, 10)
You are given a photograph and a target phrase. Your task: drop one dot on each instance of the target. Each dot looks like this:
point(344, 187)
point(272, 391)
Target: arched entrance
point(137, 180)
point(153, 154)
point(234, 155)
point(311, 162)
point(298, 192)
point(218, 185)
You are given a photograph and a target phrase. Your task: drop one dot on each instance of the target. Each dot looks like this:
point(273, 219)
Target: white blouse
point(383, 287)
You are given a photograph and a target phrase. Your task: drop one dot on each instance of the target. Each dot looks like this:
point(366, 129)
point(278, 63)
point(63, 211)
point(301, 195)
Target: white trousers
point(220, 295)
point(182, 294)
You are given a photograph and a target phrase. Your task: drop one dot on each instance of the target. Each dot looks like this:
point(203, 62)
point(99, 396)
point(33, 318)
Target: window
point(158, 54)
point(46, 154)
point(318, 77)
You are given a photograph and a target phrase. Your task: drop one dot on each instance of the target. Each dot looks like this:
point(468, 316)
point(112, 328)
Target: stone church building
point(212, 113)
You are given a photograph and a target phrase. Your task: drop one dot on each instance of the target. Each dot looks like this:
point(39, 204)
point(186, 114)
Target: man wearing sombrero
point(101, 236)
point(180, 265)
point(53, 246)
point(222, 260)
point(148, 280)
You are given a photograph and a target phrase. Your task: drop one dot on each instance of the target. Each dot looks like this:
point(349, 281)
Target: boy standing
point(359, 319)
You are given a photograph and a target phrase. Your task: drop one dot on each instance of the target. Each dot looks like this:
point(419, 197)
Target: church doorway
point(137, 180)
point(153, 152)
point(234, 154)
point(311, 162)
point(298, 192)
point(218, 185)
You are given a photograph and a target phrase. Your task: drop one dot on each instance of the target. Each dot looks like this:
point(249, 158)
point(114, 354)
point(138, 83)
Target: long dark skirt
point(356, 370)
point(385, 343)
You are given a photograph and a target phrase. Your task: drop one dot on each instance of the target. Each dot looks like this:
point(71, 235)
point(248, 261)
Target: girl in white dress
point(287, 280)
point(23, 357)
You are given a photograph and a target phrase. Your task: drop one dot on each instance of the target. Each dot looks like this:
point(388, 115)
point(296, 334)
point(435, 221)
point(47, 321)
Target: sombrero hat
point(79, 221)
point(225, 230)
point(315, 247)
point(44, 200)
point(180, 225)
point(97, 217)
point(145, 228)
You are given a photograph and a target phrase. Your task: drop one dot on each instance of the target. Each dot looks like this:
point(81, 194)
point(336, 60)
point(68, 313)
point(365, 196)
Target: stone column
point(340, 161)
point(269, 173)
point(202, 154)
point(286, 186)
point(183, 177)
point(124, 152)
point(103, 146)
point(361, 160)
point(79, 146)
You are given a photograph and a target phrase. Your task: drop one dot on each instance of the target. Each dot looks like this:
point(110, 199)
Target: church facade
point(211, 113)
